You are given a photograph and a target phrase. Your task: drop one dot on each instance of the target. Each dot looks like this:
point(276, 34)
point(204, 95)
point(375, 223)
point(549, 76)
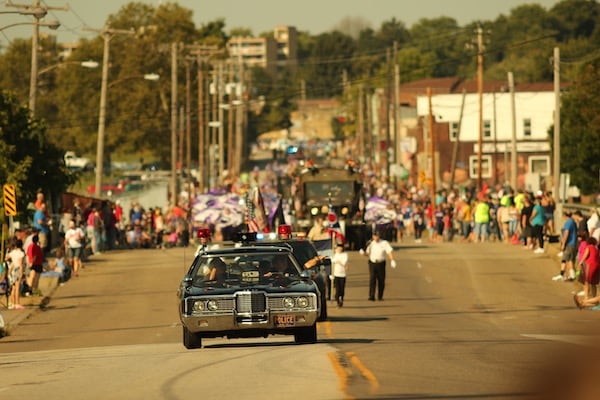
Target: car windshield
point(244, 269)
point(303, 251)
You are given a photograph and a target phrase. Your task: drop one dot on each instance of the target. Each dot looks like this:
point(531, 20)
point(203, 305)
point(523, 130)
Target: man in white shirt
point(377, 251)
point(593, 224)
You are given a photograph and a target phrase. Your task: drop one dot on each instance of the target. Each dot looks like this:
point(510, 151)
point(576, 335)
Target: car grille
point(250, 302)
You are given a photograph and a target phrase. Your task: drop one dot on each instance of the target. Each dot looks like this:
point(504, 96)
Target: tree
point(330, 55)
point(580, 130)
point(28, 160)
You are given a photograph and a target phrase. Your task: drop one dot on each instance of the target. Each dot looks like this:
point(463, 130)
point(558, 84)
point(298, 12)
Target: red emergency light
point(203, 233)
point(284, 231)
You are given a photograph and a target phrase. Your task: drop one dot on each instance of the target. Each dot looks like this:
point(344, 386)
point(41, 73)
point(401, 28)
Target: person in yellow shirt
point(465, 214)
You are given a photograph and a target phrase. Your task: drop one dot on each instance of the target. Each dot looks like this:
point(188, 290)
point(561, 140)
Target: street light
point(34, 45)
point(86, 64)
point(54, 25)
point(37, 12)
point(102, 117)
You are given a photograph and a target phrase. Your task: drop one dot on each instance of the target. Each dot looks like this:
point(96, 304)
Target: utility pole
point(221, 125)
point(188, 124)
point(34, 46)
point(388, 109)
point(513, 137)
point(556, 141)
point(397, 116)
point(230, 137)
point(361, 123)
point(173, 182)
point(480, 91)
point(431, 146)
point(240, 117)
point(203, 54)
point(107, 35)
point(457, 141)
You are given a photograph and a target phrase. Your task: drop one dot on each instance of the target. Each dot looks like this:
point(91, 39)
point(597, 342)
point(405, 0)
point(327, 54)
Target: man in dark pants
point(377, 251)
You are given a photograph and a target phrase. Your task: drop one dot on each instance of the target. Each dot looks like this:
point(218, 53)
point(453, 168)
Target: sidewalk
point(33, 304)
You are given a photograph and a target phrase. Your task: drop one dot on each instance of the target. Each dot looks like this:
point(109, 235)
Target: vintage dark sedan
point(247, 291)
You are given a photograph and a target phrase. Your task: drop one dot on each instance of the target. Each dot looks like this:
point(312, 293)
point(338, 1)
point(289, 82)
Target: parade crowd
point(397, 213)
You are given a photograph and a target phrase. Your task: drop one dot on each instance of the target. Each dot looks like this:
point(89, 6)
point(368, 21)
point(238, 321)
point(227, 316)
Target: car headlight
point(211, 305)
point(198, 306)
point(288, 302)
point(302, 302)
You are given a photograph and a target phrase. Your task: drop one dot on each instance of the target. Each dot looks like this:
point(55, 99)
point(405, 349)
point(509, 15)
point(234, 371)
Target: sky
point(313, 16)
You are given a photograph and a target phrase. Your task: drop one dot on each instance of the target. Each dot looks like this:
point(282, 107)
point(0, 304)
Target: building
point(455, 111)
point(266, 52)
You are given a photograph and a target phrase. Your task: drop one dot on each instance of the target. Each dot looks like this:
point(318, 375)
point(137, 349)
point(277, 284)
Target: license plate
point(285, 320)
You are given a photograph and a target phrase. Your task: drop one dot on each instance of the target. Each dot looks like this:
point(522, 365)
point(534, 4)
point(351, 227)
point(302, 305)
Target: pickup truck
point(73, 162)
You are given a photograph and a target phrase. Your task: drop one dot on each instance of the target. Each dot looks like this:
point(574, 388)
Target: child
point(339, 263)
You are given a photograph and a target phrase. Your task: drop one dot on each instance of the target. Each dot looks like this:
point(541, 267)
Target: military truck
point(318, 188)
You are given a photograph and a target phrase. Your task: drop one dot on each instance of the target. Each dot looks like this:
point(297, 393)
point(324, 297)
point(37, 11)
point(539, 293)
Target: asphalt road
point(458, 321)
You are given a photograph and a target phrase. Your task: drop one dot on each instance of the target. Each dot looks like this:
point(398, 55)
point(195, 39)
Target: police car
point(247, 290)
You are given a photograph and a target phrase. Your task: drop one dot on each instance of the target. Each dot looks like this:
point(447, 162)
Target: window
point(539, 165)
point(486, 166)
point(487, 129)
point(453, 130)
point(527, 127)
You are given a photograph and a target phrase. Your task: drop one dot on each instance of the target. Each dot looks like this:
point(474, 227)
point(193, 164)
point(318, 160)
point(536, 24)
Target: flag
point(333, 227)
point(257, 218)
point(278, 217)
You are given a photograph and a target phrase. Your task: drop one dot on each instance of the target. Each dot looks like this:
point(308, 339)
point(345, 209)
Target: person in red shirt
point(589, 268)
point(35, 259)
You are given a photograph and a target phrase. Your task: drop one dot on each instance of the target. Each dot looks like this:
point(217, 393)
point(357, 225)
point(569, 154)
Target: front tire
point(191, 340)
point(307, 335)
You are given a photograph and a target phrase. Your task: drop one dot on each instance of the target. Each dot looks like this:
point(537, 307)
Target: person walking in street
point(339, 263)
point(74, 238)
point(377, 251)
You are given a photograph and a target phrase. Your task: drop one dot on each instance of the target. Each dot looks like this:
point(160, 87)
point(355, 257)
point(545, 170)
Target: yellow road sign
point(10, 200)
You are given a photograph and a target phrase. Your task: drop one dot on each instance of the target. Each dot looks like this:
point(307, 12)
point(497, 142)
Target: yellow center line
point(341, 372)
point(363, 370)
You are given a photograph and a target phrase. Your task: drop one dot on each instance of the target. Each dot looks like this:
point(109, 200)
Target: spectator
point(568, 249)
point(593, 224)
point(16, 270)
point(35, 259)
point(537, 225)
point(549, 206)
point(42, 224)
point(526, 229)
point(75, 239)
point(482, 220)
point(589, 268)
point(58, 267)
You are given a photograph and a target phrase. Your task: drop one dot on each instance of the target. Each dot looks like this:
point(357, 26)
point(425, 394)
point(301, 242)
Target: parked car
point(247, 291)
point(74, 162)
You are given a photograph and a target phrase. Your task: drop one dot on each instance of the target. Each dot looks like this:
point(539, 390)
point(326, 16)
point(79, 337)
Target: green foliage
point(28, 160)
point(580, 130)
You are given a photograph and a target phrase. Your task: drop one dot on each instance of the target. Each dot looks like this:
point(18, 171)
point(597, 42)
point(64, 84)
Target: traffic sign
point(10, 200)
